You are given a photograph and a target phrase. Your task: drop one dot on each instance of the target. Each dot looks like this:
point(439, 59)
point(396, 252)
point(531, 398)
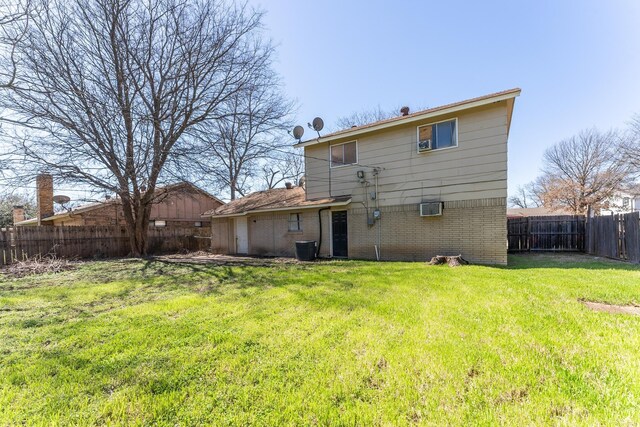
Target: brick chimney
point(18, 214)
point(44, 185)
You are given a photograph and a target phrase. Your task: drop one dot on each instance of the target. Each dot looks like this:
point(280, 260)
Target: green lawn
point(339, 343)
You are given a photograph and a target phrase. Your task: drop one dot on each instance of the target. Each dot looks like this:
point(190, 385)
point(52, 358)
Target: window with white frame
point(438, 135)
point(344, 154)
point(295, 222)
point(160, 223)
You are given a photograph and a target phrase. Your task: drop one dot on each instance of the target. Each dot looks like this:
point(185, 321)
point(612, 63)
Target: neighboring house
point(407, 188)
point(538, 211)
point(621, 203)
point(178, 205)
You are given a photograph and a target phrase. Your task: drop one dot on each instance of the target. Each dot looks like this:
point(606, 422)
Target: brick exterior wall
point(477, 229)
point(18, 214)
point(44, 195)
point(269, 233)
point(110, 214)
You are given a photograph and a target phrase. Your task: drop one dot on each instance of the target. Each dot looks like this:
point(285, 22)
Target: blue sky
point(577, 62)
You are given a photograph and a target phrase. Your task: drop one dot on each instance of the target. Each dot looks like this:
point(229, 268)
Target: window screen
point(295, 222)
point(344, 154)
point(442, 135)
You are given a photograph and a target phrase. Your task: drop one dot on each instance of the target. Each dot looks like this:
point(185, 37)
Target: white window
point(438, 135)
point(197, 224)
point(295, 222)
point(159, 223)
point(344, 154)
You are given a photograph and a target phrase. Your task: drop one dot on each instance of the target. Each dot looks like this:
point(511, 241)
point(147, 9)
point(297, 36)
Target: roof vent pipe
point(288, 185)
point(404, 111)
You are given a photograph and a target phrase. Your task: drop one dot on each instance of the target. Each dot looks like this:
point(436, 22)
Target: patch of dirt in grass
point(610, 308)
point(473, 372)
point(382, 364)
point(513, 395)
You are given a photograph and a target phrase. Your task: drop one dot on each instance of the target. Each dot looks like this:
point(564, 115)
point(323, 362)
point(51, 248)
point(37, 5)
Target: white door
point(242, 236)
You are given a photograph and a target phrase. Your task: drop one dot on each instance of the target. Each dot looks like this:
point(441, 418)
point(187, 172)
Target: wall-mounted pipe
point(378, 246)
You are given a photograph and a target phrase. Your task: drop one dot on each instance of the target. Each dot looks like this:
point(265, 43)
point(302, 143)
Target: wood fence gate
point(546, 233)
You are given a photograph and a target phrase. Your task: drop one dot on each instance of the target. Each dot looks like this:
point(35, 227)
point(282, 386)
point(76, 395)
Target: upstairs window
point(344, 154)
point(295, 222)
point(438, 135)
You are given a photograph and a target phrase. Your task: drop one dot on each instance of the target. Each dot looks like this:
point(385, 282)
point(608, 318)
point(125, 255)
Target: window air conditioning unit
point(431, 209)
point(424, 145)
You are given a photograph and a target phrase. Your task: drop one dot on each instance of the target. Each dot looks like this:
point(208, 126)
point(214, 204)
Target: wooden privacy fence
point(546, 233)
point(614, 236)
point(21, 243)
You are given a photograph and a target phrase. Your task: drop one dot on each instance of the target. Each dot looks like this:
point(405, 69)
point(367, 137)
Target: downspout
point(378, 247)
point(320, 227)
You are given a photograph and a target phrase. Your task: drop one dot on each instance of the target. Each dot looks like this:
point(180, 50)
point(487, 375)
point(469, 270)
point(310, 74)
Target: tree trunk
point(452, 261)
point(136, 217)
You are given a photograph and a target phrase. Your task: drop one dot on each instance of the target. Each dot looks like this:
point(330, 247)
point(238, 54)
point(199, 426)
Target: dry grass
point(38, 265)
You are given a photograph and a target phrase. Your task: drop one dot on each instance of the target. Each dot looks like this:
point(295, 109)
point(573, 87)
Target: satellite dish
point(61, 200)
point(298, 131)
point(318, 124)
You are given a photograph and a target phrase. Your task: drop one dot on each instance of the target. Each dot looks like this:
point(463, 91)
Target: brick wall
point(44, 196)
point(477, 229)
point(110, 214)
point(113, 214)
point(18, 214)
point(269, 233)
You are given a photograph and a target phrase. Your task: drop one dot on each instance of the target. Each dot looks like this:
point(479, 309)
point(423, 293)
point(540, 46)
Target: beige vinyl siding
point(317, 171)
point(477, 168)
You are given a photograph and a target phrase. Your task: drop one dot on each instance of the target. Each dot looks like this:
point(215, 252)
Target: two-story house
point(411, 187)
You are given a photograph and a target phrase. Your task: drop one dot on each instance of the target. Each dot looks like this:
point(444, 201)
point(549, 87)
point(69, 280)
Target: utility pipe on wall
point(378, 246)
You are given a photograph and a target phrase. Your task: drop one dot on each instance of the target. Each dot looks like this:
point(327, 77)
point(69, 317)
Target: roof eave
point(418, 117)
point(288, 208)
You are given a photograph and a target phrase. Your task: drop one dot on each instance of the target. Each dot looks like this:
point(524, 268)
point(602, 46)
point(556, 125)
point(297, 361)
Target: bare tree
point(631, 145)
point(252, 131)
point(525, 197)
point(289, 166)
point(107, 91)
point(583, 171)
point(364, 117)
point(14, 18)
